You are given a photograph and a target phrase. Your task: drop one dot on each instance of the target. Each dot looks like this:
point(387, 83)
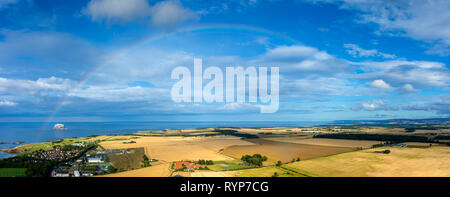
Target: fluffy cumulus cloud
point(302, 60)
point(166, 14)
point(169, 14)
point(380, 84)
point(398, 73)
point(120, 10)
point(421, 20)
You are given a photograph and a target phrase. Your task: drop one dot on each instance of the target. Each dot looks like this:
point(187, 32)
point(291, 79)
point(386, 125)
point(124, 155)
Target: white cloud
point(167, 14)
point(124, 94)
point(117, 10)
point(408, 87)
point(373, 106)
point(170, 13)
point(418, 19)
point(29, 87)
point(356, 51)
point(380, 84)
point(7, 103)
point(420, 74)
point(296, 52)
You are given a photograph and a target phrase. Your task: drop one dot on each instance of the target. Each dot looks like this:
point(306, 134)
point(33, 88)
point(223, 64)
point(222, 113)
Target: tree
point(112, 169)
point(275, 174)
point(145, 157)
point(279, 163)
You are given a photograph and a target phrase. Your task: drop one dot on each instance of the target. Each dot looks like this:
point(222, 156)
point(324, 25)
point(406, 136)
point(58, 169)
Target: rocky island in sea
point(59, 127)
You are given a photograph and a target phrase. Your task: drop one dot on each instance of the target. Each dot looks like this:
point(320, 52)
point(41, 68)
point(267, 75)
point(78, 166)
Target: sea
point(34, 132)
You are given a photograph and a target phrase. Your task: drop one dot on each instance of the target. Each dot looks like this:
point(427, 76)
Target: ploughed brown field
point(283, 151)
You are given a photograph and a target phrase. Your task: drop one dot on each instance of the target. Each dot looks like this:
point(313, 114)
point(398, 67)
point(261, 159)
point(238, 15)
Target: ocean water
point(32, 132)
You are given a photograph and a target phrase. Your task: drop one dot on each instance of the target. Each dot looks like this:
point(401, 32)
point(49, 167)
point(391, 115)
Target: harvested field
point(161, 170)
point(326, 142)
point(181, 148)
point(283, 151)
point(400, 162)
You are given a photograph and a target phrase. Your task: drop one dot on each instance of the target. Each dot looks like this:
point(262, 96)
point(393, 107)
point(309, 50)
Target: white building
point(95, 160)
point(76, 173)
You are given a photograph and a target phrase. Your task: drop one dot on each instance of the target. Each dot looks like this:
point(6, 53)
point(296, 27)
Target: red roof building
point(188, 165)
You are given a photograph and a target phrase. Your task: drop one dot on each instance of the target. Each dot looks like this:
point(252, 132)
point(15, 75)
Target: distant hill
point(432, 121)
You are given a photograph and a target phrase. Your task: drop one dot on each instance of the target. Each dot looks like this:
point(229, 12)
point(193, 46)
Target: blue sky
point(343, 59)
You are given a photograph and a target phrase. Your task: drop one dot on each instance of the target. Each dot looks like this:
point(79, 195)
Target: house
point(95, 159)
point(76, 173)
point(86, 174)
point(60, 173)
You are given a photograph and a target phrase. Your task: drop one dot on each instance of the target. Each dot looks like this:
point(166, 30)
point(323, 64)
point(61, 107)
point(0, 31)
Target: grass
point(150, 132)
point(127, 161)
point(12, 172)
point(228, 165)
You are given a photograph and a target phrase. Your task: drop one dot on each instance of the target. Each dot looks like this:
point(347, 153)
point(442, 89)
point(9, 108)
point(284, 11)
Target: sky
point(111, 60)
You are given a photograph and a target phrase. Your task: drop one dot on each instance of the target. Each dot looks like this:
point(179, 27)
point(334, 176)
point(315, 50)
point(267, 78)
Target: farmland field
point(181, 148)
point(227, 165)
point(131, 159)
point(205, 173)
point(12, 172)
point(283, 151)
point(265, 172)
point(161, 170)
point(400, 162)
point(326, 142)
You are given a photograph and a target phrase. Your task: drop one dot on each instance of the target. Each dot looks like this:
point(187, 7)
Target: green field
point(127, 161)
point(12, 172)
point(29, 148)
point(227, 165)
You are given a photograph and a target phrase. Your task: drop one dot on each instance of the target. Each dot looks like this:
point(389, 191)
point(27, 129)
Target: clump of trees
point(279, 163)
point(255, 159)
point(275, 174)
point(145, 161)
point(205, 162)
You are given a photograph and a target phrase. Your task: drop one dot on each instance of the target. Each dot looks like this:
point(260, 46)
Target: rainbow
point(161, 36)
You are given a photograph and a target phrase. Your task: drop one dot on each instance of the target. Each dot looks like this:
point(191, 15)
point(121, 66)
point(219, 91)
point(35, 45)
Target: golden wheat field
point(326, 142)
point(283, 151)
point(400, 162)
point(181, 148)
point(161, 170)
